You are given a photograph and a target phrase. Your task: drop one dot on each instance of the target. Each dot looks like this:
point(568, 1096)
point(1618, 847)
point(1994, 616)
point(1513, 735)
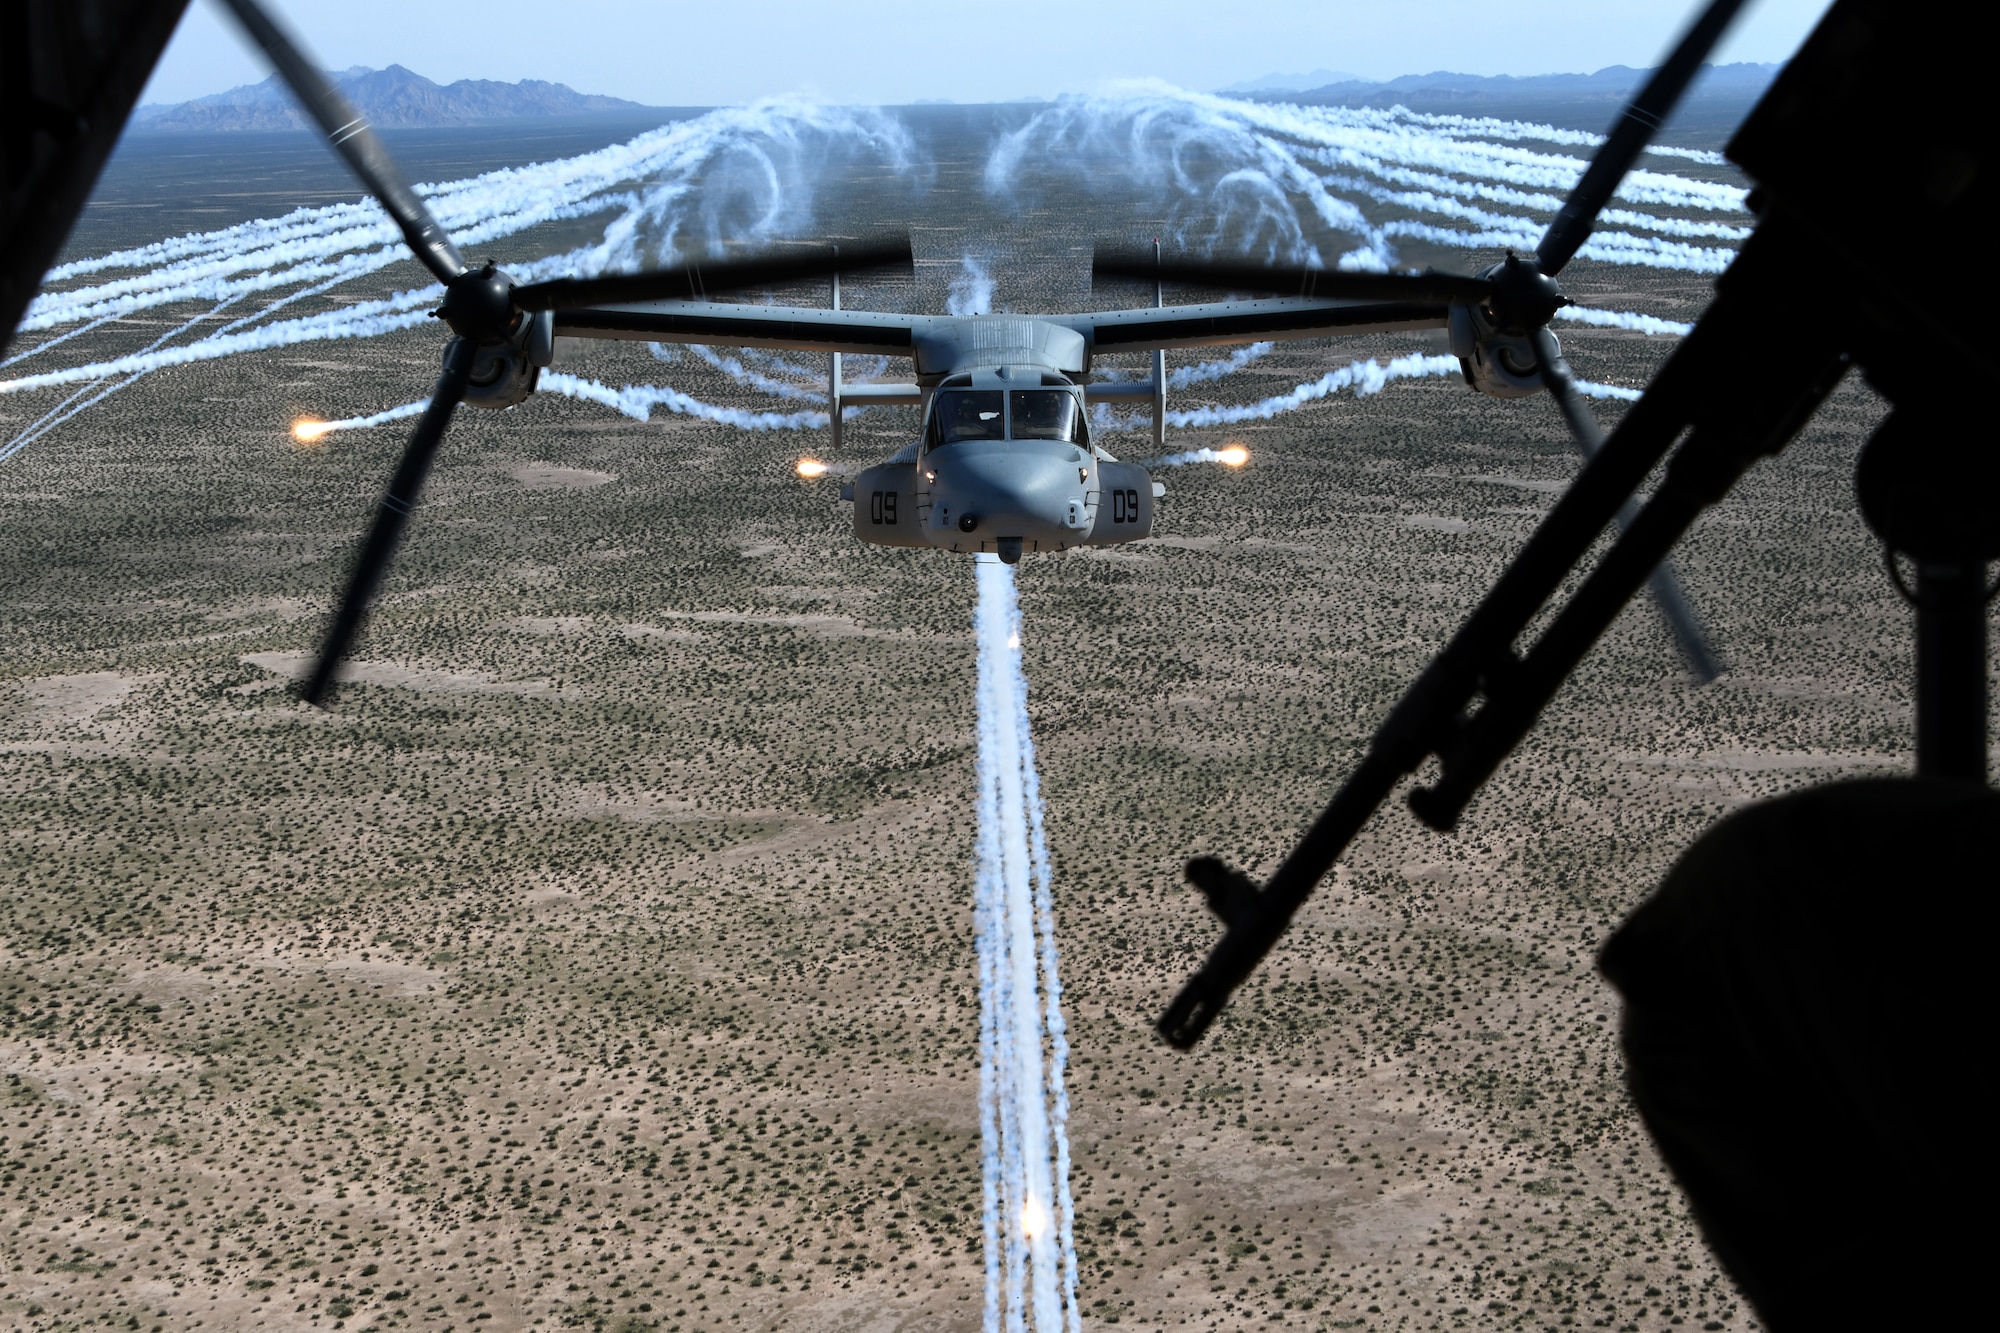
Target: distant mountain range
point(392, 98)
point(397, 98)
point(1290, 83)
point(1740, 82)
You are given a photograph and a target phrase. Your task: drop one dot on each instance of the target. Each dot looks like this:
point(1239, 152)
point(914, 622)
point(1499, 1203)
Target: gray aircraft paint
point(1008, 496)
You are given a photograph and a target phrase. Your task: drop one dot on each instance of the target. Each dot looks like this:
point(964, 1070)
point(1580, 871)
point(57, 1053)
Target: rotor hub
point(1524, 298)
point(479, 305)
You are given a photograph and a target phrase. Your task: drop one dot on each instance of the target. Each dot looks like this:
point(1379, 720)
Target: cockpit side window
point(966, 415)
point(1044, 414)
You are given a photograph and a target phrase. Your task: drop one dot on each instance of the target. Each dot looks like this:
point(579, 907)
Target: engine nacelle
point(1501, 364)
point(1124, 502)
point(1495, 341)
point(504, 374)
point(885, 505)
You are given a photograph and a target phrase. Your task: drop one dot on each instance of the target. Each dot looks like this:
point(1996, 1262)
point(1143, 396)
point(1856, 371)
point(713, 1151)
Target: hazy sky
point(677, 54)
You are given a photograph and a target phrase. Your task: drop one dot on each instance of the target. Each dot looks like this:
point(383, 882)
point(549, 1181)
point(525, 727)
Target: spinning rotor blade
point(353, 140)
point(1664, 585)
point(395, 512)
point(695, 282)
point(1629, 137)
point(1429, 288)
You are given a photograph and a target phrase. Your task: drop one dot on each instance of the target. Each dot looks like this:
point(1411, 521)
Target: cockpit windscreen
point(967, 414)
point(1043, 414)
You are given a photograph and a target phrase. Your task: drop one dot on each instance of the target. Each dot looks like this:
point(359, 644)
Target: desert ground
point(601, 958)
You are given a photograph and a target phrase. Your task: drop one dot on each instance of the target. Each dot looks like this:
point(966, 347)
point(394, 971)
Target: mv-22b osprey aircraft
point(1004, 462)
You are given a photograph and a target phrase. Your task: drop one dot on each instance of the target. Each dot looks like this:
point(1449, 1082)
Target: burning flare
point(1234, 455)
point(812, 467)
point(308, 431)
point(1034, 1218)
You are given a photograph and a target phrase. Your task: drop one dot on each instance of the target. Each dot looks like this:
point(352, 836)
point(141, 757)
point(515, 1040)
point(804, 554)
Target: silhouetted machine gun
point(1798, 989)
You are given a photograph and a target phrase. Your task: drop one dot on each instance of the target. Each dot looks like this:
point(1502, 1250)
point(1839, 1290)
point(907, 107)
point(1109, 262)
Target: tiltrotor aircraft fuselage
point(1005, 462)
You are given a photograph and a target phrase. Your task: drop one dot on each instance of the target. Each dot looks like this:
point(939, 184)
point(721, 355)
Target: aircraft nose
point(1013, 492)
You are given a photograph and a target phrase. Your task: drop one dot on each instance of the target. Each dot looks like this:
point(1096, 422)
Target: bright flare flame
point(308, 431)
point(1034, 1219)
point(811, 467)
point(1233, 456)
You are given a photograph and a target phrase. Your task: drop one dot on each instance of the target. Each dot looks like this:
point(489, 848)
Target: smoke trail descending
point(971, 290)
point(1030, 1233)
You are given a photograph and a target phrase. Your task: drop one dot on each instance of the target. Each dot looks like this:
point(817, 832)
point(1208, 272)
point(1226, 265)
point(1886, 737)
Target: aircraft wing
point(1224, 322)
point(717, 324)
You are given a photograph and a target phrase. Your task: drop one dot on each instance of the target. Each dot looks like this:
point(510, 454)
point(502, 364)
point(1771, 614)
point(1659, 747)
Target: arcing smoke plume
point(1253, 178)
point(1024, 1108)
point(1263, 179)
point(740, 173)
point(971, 291)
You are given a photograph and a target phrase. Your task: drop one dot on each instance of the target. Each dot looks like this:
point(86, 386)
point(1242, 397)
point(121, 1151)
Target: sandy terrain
point(601, 958)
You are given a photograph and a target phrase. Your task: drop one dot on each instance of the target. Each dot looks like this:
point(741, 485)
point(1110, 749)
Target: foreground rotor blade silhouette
point(697, 281)
point(350, 136)
point(1637, 124)
point(391, 518)
point(1663, 584)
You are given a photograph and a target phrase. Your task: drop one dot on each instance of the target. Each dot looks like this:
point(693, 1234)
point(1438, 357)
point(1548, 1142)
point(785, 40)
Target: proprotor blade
point(1324, 284)
point(694, 282)
point(353, 140)
point(1664, 585)
point(1636, 126)
point(404, 488)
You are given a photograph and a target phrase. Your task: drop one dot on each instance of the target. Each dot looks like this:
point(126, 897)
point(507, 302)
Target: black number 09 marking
point(882, 508)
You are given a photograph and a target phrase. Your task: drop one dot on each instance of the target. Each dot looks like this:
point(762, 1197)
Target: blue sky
point(676, 54)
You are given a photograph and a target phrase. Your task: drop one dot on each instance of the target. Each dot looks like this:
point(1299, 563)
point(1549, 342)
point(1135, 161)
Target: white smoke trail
point(1200, 373)
point(1021, 990)
point(1203, 455)
point(1624, 319)
point(1243, 178)
point(1364, 377)
point(381, 418)
point(1182, 376)
point(755, 167)
point(994, 1091)
point(57, 341)
point(1618, 391)
point(1058, 1027)
point(637, 401)
point(62, 412)
point(971, 290)
point(365, 319)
